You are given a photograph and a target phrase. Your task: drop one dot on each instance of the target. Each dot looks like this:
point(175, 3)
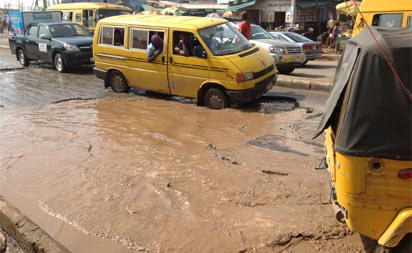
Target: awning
point(235, 8)
point(305, 5)
point(348, 8)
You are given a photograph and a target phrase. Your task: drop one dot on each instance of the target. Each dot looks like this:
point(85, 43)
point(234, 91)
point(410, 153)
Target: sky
point(26, 3)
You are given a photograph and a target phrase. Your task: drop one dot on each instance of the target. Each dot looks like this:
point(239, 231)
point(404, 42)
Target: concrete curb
point(30, 237)
point(301, 83)
point(330, 57)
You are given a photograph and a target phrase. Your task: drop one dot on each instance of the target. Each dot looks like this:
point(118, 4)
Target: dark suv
point(64, 44)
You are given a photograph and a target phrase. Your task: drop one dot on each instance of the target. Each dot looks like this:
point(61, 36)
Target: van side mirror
point(45, 37)
point(200, 52)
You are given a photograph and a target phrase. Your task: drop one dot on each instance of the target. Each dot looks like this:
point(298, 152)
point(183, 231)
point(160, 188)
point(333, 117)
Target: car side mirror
point(45, 37)
point(200, 52)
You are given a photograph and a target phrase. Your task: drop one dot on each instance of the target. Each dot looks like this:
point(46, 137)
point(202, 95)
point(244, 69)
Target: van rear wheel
point(216, 99)
point(118, 82)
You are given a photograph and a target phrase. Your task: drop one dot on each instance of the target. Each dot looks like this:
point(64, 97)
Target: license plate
point(314, 47)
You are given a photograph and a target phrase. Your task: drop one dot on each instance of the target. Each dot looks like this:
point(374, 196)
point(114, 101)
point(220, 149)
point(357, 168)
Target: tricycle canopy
point(368, 109)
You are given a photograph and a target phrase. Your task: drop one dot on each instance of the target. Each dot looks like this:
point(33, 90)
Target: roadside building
point(285, 13)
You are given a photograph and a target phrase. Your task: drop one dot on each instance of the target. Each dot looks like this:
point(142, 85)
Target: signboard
point(20, 20)
point(16, 21)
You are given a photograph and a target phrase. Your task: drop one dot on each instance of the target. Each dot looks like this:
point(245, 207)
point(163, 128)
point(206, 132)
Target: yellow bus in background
point(384, 13)
point(88, 14)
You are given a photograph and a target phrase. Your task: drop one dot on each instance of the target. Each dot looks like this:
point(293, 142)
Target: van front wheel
point(118, 82)
point(216, 99)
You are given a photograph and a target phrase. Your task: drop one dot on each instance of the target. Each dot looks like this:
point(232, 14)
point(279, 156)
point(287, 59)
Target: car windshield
point(67, 30)
point(297, 37)
point(224, 39)
point(108, 13)
point(258, 33)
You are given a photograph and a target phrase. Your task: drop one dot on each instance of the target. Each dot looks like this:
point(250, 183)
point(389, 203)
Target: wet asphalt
point(40, 84)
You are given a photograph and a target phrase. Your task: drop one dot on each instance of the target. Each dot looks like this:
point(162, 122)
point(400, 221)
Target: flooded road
point(103, 172)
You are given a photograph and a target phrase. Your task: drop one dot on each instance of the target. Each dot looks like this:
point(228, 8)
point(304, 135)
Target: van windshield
point(104, 13)
point(224, 39)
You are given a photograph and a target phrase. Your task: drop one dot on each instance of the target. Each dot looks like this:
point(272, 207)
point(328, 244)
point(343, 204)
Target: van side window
point(78, 17)
point(32, 33)
point(387, 20)
point(139, 39)
point(409, 23)
point(67, 16)
point(113, 36)
point(185, 43)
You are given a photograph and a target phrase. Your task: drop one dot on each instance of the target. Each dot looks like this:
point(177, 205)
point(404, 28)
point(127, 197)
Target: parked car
point(64, 44)
point(287, 55)
point(312, 49)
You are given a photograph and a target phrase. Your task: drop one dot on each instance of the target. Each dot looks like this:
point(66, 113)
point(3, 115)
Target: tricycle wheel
point(118, 82)
point(216, 99)
point(21, 56)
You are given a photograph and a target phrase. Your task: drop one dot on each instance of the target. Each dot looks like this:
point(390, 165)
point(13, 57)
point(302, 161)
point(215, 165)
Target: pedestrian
point(335, 35)
point(4, 25)
point(155, 47)
point(244, 27)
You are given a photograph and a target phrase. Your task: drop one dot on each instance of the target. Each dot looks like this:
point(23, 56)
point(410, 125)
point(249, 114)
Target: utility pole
point(44, 4)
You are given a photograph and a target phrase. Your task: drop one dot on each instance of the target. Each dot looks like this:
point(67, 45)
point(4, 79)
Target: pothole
point(271, 104)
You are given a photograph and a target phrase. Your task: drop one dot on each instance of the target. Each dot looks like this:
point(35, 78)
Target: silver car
point(312, 49)
point(287, 55)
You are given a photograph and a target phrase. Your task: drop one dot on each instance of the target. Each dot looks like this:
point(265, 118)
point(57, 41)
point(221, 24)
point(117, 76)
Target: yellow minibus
point(88, 14)
point(384, 13)
point(202, 58)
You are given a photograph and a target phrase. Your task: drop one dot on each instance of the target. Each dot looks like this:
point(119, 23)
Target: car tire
point(118, 82)
point(21, 57)
point(303, 64)
point(215, 99)
point(286, 70)
point(59, 63)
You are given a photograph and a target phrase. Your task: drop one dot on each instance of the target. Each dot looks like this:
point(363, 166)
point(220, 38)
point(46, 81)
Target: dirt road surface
point(103, 172)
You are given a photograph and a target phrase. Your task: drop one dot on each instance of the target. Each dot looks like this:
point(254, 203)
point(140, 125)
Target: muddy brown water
point(156, 175)
point(105, 172)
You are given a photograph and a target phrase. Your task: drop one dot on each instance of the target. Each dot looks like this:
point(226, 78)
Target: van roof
point(88, 5)
point(188, 22)
point(383, 6)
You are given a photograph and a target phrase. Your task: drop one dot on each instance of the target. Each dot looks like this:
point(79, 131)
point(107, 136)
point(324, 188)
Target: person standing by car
point(244, 27)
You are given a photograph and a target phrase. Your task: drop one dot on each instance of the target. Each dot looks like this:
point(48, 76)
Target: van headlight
point(277, 50)
point(243, 77)
point(72, 48)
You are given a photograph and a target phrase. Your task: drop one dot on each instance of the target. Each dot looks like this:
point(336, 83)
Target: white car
point(287, 55)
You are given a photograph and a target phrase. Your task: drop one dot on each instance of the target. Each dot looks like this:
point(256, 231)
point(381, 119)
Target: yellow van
point(88, 14)
point(384, 13)
point(202, 58)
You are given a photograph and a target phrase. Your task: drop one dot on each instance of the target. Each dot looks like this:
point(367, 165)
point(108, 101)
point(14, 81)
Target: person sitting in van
point(183, 46)
point(118, 38)
point(155, 47)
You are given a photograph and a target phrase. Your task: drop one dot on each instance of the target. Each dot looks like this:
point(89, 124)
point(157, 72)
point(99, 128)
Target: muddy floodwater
point(123, 173)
